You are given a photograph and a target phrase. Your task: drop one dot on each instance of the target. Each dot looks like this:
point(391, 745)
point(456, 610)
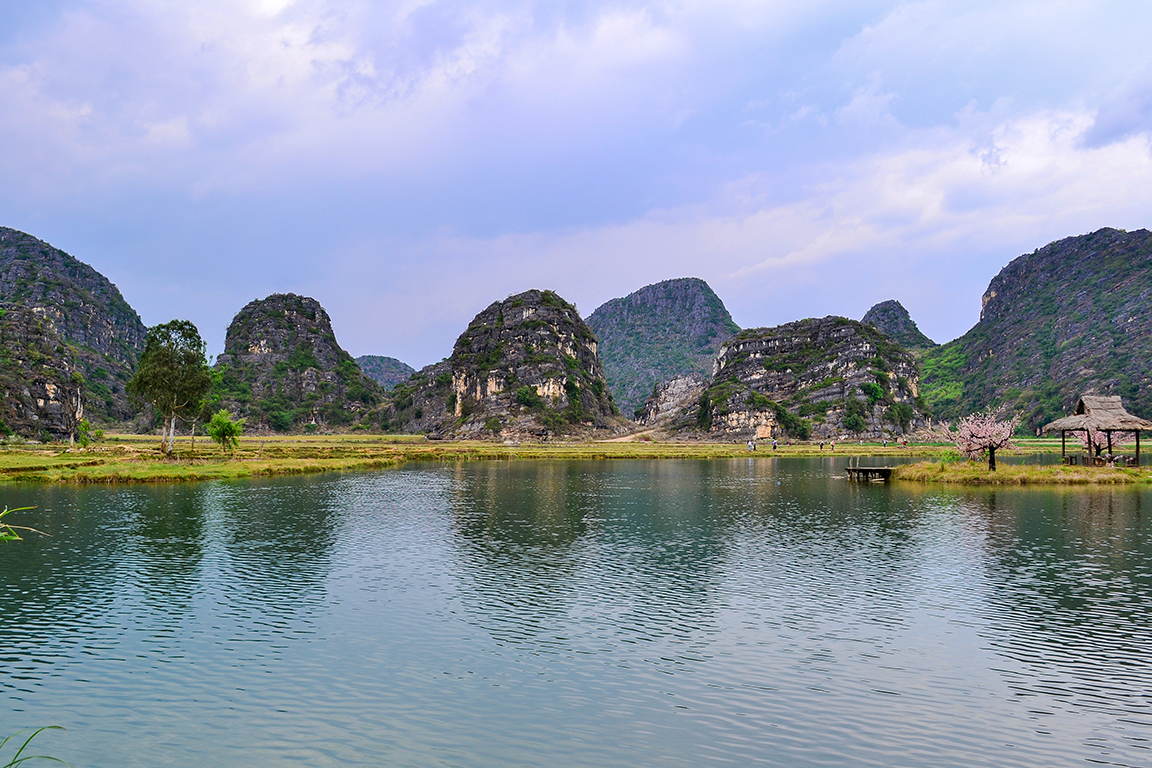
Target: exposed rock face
point(526, 366)
point(829, 378)
point(36, 376)
point(284, 370)
point(385, 371)
point(666, 330)
point(674, 401)
point(98, 334)
point(1071, 318)
point(895, 322)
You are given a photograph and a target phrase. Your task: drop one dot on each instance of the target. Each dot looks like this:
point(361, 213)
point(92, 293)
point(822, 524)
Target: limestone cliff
point(669, 329)
point(526, 366)
point(673, 401)
point(85, 325)
point(830, 378)
point(283, 370)
point(39, 377)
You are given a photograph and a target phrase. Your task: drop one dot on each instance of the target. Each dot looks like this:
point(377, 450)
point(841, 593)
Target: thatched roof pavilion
point(1099, 413)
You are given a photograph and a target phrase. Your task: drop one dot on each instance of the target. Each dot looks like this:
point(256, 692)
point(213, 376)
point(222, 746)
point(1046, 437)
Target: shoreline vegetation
point(125, 458)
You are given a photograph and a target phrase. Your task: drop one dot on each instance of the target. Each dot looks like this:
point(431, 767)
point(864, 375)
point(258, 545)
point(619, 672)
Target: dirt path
point(627, 438)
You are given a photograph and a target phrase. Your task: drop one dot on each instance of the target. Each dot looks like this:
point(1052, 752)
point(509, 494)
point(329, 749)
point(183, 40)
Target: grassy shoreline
point(976, 473)
point(124, 458)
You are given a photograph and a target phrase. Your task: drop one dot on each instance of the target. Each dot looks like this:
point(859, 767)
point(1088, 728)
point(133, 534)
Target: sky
point(408, 163)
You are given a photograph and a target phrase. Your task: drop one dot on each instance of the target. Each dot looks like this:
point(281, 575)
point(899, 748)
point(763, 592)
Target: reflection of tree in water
point(1070, 576)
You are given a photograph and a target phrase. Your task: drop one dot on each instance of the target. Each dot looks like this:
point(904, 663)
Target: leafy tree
point(173, 375)
point(225, 430)
point(982, 433)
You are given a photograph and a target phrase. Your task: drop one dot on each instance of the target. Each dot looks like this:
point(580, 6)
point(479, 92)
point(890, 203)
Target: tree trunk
point(991, 459)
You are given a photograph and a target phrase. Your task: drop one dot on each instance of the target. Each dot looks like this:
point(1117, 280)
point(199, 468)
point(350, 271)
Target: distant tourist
point(773, 445)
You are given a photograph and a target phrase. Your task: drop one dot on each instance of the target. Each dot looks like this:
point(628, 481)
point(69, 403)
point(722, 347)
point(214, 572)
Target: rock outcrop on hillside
point(283, 369)
point(895, 323)
point(1068, 319)
point(526, 367)
point(79, 324)
point(673, 401)
point(385, 371)
point(670, 329)
point(828, 378)
point(39, 377)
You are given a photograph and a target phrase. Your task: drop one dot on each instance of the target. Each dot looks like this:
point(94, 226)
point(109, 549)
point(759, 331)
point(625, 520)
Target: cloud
point(929, 224)
point(408, 162)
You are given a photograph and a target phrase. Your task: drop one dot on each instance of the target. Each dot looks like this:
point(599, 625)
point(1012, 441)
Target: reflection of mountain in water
point(553, 551)
point(1070, 577)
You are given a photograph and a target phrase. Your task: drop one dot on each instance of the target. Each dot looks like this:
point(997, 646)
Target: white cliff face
point(675, 398)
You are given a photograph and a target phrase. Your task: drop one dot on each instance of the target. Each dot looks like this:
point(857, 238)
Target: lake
point(755, 611)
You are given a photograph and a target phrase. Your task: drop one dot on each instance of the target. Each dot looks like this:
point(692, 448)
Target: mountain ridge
point(665, 330)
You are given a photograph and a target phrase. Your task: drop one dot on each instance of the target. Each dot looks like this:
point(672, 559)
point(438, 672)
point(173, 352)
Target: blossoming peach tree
point(982, 433)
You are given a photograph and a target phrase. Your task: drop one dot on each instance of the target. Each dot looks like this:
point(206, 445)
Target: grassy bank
point(976, 473)
point(136, 458)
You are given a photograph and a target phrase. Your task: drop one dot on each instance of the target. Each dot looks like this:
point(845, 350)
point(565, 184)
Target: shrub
point(527, 396)
point(224, 430)
point(873, 392)
point(281, 421)
point(493, 424)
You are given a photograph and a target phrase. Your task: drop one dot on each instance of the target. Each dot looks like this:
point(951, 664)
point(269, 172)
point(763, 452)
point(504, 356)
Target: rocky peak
point(83, 306)
point(525, 365)
point(284, 369)
point(669, 329)
point(826, 378)
point(385, 371)
point(85, 324)
point(894, 321)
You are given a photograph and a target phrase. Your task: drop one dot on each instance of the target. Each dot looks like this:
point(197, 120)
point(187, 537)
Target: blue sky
point(408, 163)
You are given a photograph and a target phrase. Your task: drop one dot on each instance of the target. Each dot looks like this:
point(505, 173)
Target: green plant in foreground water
point(8, 533)
point(20, 758)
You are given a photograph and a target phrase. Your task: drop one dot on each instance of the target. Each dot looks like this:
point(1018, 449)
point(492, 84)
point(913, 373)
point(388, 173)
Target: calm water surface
point(672, 613)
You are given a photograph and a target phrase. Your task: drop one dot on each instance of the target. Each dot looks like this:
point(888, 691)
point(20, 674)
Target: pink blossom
point(982, 433)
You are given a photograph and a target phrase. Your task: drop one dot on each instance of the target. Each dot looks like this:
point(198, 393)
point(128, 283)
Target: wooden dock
point(869, 474)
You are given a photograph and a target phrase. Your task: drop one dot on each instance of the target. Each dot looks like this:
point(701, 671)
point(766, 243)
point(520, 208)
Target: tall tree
point(173, 375)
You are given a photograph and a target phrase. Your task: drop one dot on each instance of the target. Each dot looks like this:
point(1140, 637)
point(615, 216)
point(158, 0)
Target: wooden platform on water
point(868, 474)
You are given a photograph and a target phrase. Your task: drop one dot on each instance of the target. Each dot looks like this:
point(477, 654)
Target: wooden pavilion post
point(1137, 447)
point(1109, 433)
point(1063, 446)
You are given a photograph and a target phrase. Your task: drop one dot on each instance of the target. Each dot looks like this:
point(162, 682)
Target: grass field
point(124, 458)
